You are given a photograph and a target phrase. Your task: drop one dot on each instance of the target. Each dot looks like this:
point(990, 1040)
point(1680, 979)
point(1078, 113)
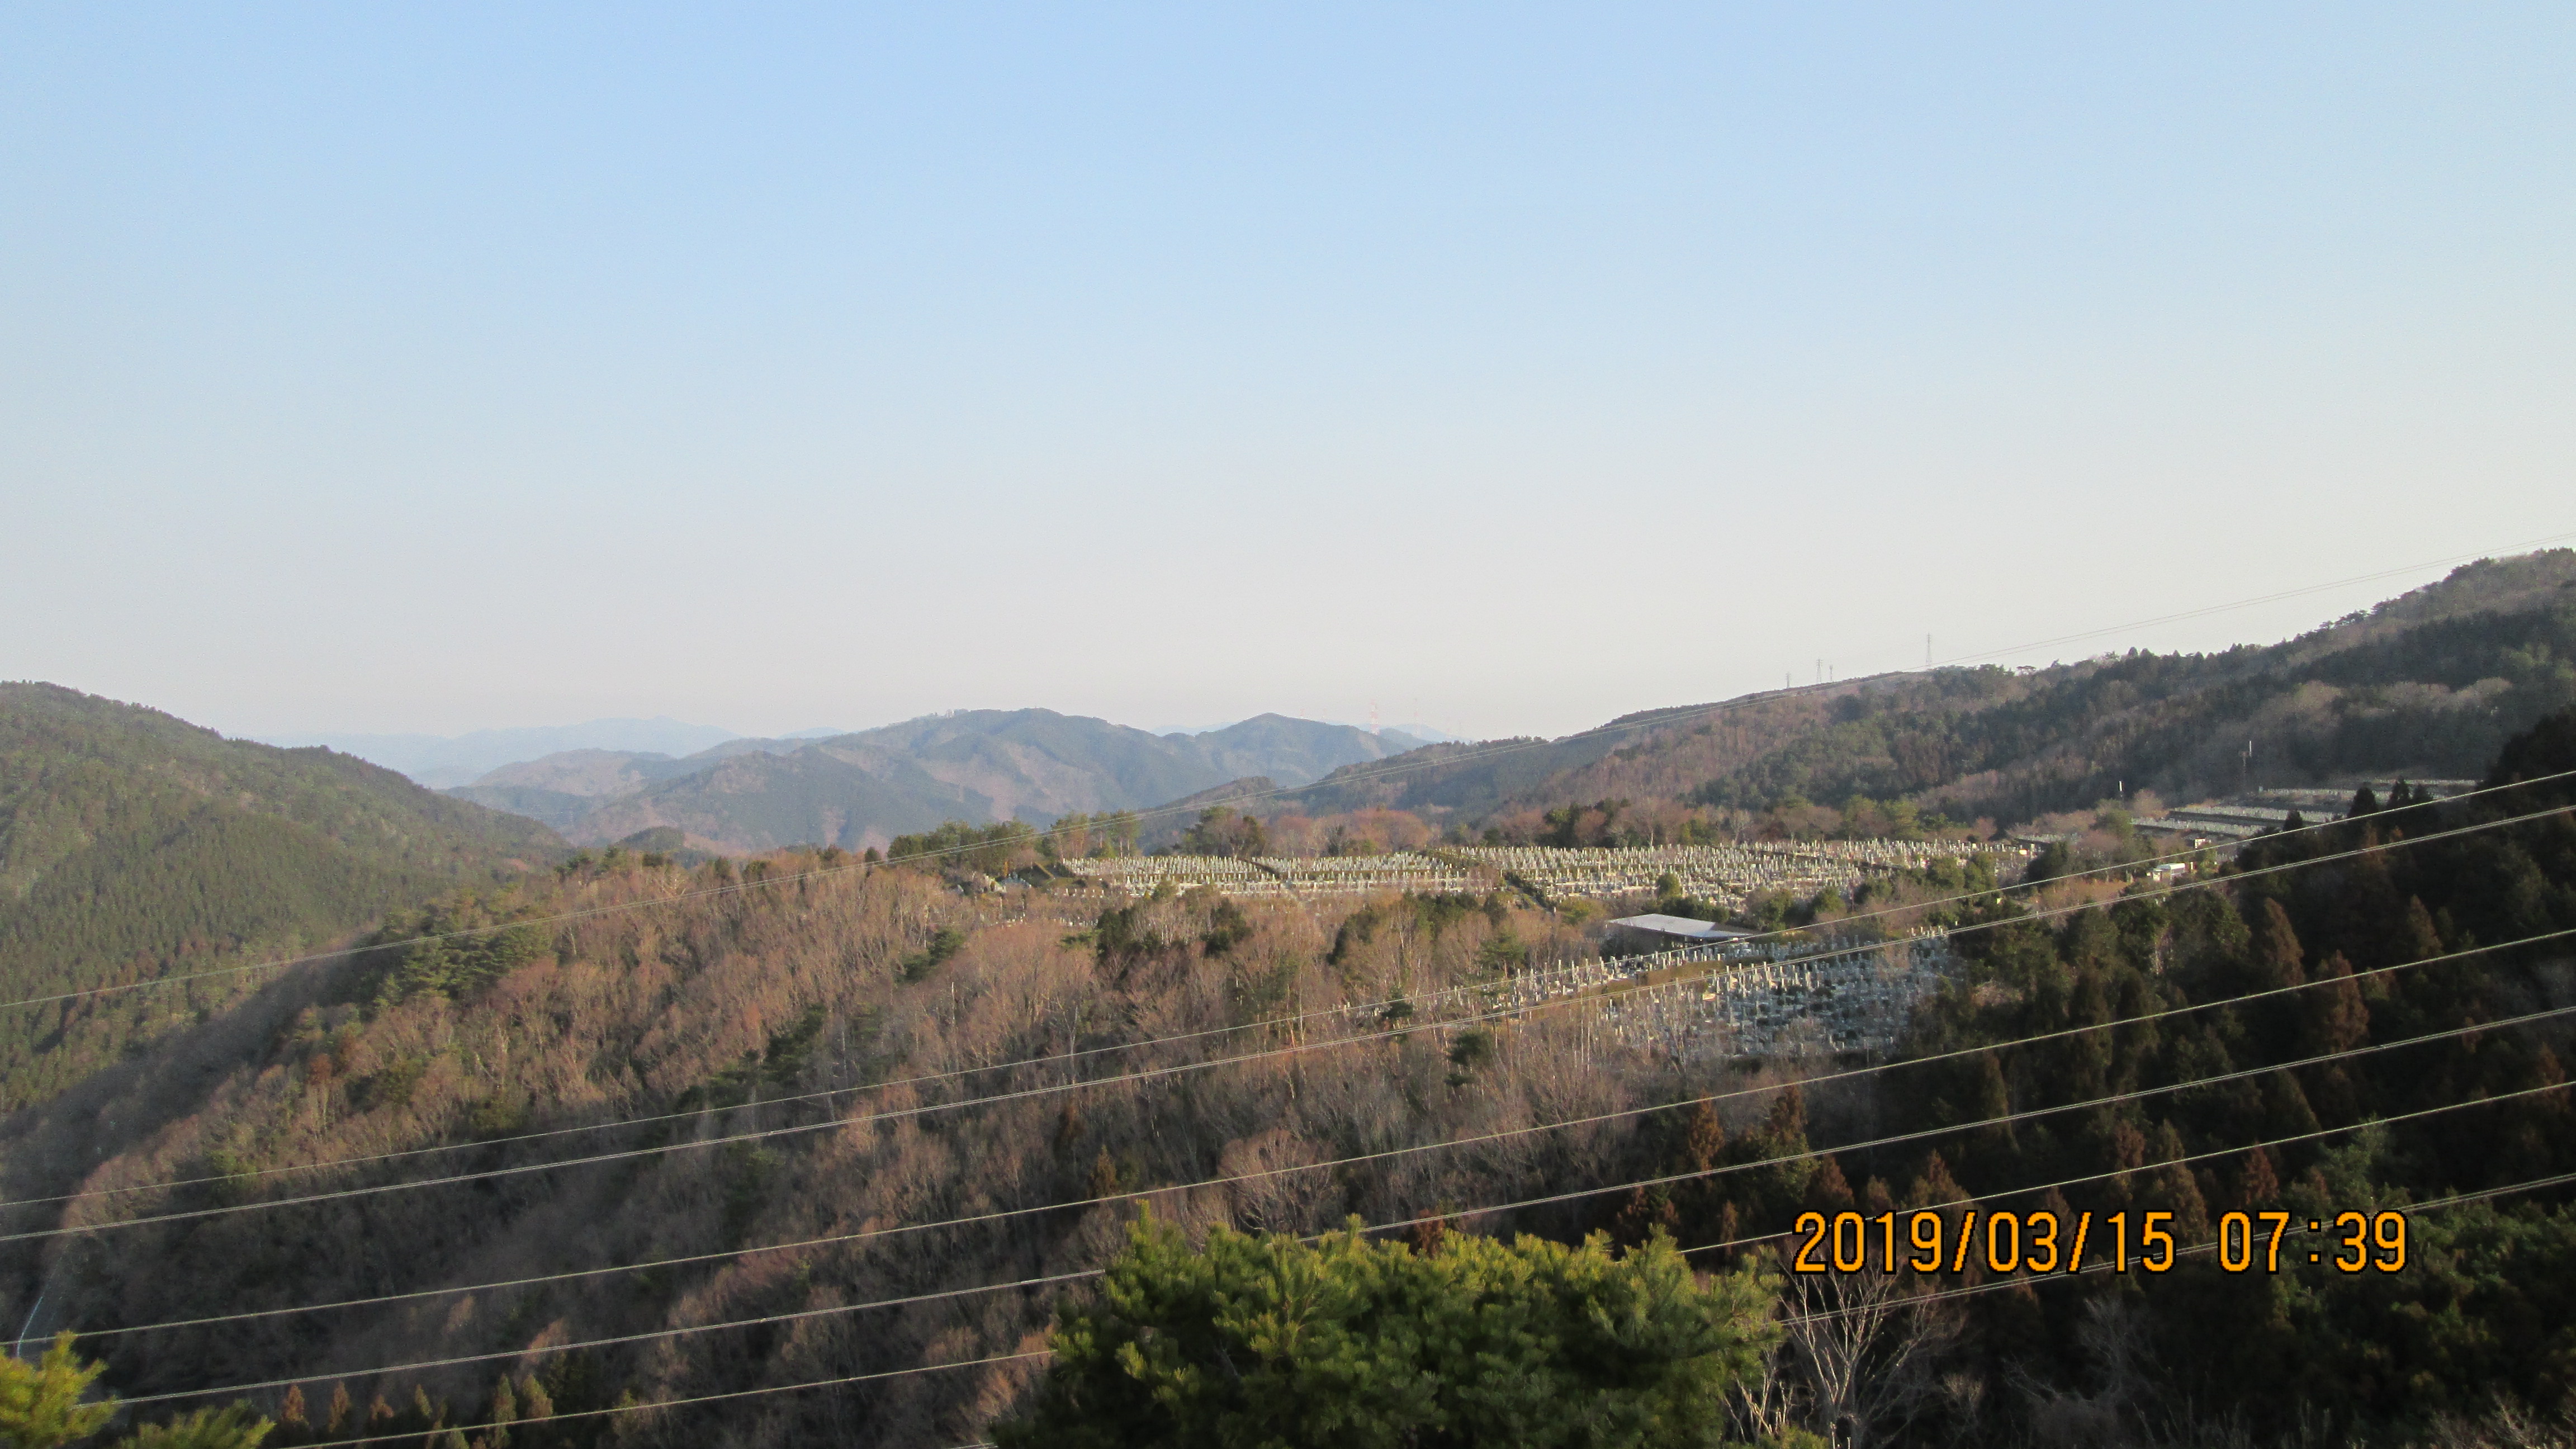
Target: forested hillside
point(2429, 684)
point(715, 1010)
point(2203, 1355)
point(869, 1021)
point(134, 845)
point(2435, 698)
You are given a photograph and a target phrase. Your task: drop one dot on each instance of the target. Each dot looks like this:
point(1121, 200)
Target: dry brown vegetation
point(1671, 761)
point(1353, 832)
point(734, 1011)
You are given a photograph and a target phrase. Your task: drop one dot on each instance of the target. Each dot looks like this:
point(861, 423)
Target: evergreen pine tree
point(40, 1403)
point(2278, 958)
point(2174, 1189)
point(1357, 1342)
point(1996, 1148)
point(2286, 1112)
point(504, 1412)
point(1703, 1139)
point(1934, 1186)
point(1782, 1143)
point(2339, 1019)
point(1828, 1191)
point(237, 1427)
point(2258, 1184)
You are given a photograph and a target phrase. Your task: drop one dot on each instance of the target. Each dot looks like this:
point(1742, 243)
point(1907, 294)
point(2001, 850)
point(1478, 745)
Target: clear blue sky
point(426, 368)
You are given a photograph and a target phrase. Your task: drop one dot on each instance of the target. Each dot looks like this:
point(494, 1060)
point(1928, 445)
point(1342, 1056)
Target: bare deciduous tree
point(1857, 1357)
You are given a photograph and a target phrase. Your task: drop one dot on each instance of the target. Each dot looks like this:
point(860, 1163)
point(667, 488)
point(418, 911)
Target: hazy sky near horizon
point(429, 368)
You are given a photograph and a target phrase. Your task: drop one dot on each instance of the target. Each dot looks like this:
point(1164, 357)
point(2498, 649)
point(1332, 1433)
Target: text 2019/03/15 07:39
point(2047, 1242)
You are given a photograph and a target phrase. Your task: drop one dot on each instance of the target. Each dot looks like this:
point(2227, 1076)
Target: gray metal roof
point(1682, 926)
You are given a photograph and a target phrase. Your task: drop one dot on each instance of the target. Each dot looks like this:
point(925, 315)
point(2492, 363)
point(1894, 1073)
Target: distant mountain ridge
point(2428, 683)
point(1421, 733)
point(867, 787)
point(439, 761)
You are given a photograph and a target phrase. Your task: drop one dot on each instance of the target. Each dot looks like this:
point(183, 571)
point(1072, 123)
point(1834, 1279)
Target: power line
point(1061, 1060)
point(1480, 1139)
point(2012, 1117)
point(683, 1403)
point(2207, 1155)
point(459, 1360)
point(2433, 1206)
point(1137, 1076)
point(2196, 1249)
point(1355, 774)
point(1723, 1170)
point(783, 880)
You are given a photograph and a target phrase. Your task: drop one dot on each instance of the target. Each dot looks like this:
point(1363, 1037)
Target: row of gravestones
point(1857, 1001)
point(1768, 998)
point(1876, 853)
point(1726, 874)
point(1273, 876)
point(1777, 998)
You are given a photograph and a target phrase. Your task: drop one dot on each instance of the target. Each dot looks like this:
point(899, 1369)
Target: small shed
point(1680, 928)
